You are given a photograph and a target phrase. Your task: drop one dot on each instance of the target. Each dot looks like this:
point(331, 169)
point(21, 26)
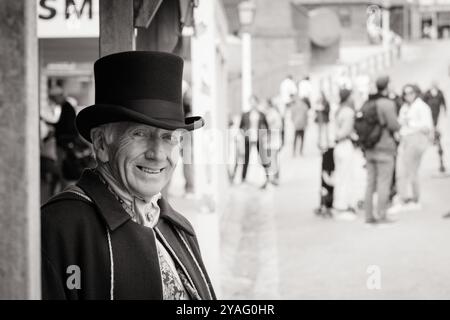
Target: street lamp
point(385, 24)
point(246, 15)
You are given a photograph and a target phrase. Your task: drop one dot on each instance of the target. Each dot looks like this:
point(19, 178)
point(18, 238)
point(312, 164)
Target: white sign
point(67, 18)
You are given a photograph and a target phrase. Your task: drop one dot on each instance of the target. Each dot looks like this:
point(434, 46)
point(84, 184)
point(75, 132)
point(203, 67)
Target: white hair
point(109, 131)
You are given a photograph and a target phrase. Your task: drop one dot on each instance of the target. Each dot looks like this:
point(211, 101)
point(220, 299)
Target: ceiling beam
point(144, 11)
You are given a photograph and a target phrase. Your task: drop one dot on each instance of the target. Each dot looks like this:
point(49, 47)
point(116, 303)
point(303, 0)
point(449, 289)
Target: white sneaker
point(189, 195)
point(345, 216)
point(413, 206)
point(397, 208)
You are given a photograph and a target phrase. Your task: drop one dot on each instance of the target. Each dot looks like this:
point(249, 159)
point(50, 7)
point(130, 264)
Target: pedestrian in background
point(305, 90)
point(323, 119)
point(383, 90)
point(275, 123)
point(74, 154)
point(299, 117)
point(436, 101)
point(50, 172)
point(344, 157)
point(236, 147)
point(416, 133)
point(288, 89)
point(380, 159)
point(254, 127)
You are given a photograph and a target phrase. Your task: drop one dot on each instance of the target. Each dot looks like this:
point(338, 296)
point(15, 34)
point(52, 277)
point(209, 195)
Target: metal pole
point(246, 70)
point(386, 27)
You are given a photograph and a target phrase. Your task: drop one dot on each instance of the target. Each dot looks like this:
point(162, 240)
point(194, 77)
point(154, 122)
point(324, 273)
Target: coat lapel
point(108, 206)
point(169, 221)
point(136, 271)
point(136, 266)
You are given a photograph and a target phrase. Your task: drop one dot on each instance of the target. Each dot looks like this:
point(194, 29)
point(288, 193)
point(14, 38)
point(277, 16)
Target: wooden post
point(116, 26)
point(163, 33)
point(144, 12)
point(19, 152)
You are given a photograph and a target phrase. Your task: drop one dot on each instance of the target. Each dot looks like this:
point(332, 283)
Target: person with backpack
point(398, 100)
point(344, 157)
point(376, 124)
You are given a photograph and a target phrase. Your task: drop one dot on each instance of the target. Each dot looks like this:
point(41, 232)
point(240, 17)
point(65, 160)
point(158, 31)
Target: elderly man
point(112, 235)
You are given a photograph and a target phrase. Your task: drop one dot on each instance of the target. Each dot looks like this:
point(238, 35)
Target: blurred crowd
point(365, 124)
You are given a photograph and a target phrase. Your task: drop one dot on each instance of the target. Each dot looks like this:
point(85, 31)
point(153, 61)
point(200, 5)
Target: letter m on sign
point(77, 8)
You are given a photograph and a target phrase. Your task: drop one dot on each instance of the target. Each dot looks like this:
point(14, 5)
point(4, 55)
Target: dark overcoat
point(91, 249)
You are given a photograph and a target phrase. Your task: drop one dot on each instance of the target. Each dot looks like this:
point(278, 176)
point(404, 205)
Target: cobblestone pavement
point(273, 246)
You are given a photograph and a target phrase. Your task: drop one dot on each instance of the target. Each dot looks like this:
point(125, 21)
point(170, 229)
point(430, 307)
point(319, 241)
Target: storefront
point(435, 19)
point(68, 32)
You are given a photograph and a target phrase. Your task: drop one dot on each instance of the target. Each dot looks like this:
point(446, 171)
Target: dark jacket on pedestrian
point(117, 258)
point(65, 130)
point(436, 102)
point(263, 125)
point(387, 114)
point(299, 114)
point(245, 121)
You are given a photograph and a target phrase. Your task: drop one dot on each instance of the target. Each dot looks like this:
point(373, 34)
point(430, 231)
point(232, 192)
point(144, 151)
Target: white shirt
point(287, 88)
point(415, 118)
point(304, 89)
point(254, 119)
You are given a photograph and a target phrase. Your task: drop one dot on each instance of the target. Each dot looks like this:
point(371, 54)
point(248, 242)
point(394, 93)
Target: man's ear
point(100, 146)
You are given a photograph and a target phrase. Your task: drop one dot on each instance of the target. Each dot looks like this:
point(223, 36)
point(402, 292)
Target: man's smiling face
point(143, 158)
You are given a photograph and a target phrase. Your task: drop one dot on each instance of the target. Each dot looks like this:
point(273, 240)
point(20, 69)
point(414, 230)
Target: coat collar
point(113, 212)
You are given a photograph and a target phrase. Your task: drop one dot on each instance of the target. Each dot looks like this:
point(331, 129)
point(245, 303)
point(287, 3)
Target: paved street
point(273, 246)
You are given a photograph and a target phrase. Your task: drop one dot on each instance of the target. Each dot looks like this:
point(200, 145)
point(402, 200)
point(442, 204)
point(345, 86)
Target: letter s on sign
point(51, 11)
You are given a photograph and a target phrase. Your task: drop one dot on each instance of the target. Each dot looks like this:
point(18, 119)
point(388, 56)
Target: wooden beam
point(144, 12)
point(20, 260)
point(164, 31)
point(116, 26)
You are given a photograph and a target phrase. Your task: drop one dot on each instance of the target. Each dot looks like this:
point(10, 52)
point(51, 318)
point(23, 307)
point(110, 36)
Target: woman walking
point(416, 133)
point(275, 122)
point(322, 119)
point(344, 153)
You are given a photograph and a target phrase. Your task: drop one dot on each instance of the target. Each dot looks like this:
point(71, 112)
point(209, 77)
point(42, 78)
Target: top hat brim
point(99, 114)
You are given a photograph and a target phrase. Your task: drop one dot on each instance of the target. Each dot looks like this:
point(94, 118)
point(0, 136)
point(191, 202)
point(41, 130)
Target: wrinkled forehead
point(126, 127)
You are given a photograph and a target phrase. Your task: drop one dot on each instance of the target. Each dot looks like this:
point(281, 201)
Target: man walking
point(254, 127)
point(381, 156)
point(299, 116)
point(435, 99)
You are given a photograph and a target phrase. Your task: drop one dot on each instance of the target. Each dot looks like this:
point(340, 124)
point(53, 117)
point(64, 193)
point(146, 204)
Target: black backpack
point(367, 125)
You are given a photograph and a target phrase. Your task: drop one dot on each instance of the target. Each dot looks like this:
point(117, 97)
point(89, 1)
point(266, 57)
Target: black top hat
point(137, 86)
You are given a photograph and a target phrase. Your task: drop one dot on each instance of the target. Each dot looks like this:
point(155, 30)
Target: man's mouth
point(150, 170)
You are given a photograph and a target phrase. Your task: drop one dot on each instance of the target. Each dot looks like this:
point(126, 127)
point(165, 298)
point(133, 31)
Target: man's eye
point(172, 138)
point(139, 133)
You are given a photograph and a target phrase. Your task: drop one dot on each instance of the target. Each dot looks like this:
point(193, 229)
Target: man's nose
point(155, 150)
